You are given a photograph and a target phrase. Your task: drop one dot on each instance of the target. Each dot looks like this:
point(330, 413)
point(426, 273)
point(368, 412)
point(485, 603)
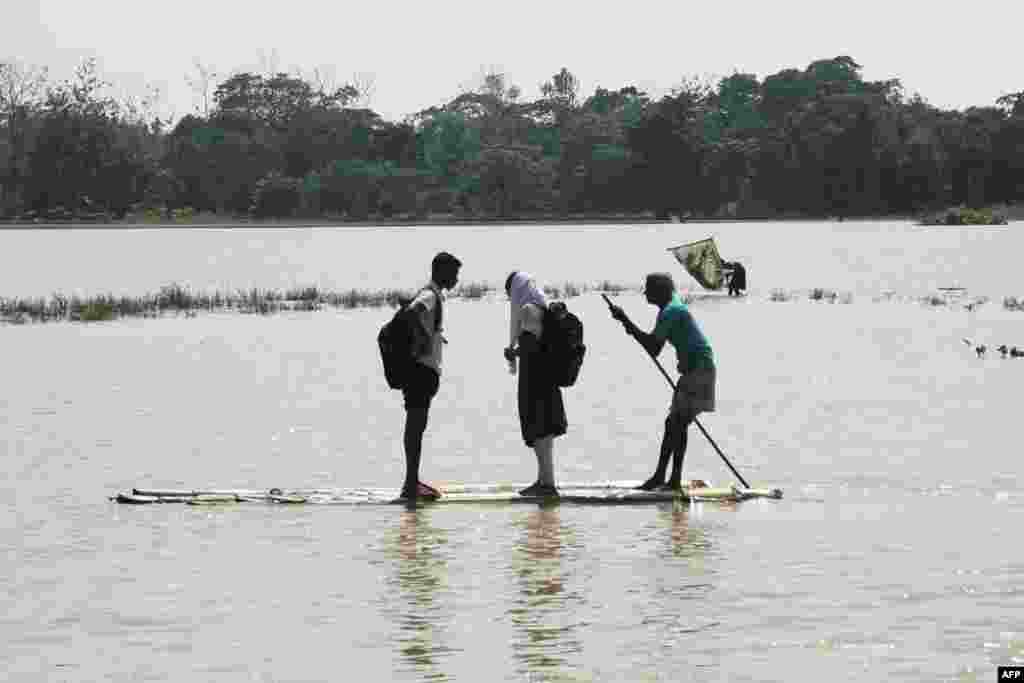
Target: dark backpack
point(563, 343)
point(399, 340)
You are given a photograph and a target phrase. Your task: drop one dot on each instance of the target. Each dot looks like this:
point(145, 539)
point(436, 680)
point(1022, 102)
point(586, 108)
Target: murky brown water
point(895, 554)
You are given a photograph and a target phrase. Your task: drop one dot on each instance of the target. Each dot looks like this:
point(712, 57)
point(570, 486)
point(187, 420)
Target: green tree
point(972, 154)
point(514, 180)
point(1012, 103)
point(316, 137)
point(354, 186)
point(81, 158)
point(736, 104)
point(21, 92)
point(276, 101)
point(670, 148)
point(445, 143)
point(219, 161)
point(562, 90)
point(1008, 163)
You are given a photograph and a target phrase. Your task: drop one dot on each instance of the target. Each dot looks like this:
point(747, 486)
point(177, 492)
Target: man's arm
point(652, 344)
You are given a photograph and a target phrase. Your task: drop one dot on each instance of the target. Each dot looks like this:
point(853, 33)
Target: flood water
point(895, 554)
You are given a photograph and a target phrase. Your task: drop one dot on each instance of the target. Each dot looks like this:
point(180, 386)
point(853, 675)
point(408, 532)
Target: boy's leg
point(419, 393)
point(415, 425)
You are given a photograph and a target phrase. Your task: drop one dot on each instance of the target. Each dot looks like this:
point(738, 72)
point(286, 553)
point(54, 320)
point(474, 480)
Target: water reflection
point(542, 612)
point(683, 540)
point(680, 579)
point(421, 567)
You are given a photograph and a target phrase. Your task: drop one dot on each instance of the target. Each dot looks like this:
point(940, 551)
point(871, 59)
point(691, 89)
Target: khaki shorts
point(695, 393)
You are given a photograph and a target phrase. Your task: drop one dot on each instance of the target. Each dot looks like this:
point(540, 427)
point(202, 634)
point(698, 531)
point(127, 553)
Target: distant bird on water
point(979, 349)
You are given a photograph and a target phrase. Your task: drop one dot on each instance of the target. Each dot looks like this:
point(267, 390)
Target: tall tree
point(736, 102)
point(1012, 103)
point(559, 95)
point(670, 145)
point(445, 143)
point(21, 90)
point(201, 82)
point(77, 159)
point(277, 100)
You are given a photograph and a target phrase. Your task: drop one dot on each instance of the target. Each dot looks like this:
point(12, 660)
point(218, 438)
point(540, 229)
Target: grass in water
point(822, 294)
point(472, 290)
point(177, 299)
point(1012, 303)
point(611, 288)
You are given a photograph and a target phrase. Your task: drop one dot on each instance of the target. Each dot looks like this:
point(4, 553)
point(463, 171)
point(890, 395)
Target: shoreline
point(201, 221)
point(445, 221)
point(206, 221)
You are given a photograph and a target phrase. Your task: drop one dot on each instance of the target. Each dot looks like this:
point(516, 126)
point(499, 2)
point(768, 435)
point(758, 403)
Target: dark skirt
point(541, 410)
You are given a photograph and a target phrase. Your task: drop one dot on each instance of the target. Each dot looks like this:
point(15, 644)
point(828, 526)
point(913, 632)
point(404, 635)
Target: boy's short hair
point(444, 261)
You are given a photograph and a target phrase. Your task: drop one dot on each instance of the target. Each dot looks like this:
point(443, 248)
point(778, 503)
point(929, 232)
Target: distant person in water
point(695, 390)
point(426, 312)
point(737, 278)
point(541, 409)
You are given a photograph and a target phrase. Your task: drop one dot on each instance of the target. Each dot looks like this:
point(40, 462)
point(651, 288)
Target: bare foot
point(651, 484)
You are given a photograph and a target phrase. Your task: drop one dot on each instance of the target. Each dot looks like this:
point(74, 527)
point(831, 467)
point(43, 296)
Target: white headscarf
point(523, 290)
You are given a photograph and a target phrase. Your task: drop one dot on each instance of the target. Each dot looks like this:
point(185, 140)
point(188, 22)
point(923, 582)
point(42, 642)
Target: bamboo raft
point(600, 493)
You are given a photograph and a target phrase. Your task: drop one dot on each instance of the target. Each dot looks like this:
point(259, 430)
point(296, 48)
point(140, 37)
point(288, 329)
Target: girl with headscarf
point(541, 410)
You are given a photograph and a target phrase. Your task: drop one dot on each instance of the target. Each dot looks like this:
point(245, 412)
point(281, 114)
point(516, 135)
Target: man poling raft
point(695, 391)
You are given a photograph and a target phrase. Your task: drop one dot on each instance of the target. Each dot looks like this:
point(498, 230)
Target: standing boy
point(426, 312)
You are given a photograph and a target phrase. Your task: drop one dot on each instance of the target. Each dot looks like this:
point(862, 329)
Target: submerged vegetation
point(1012, 303)
point(822, 294)
point(175, 299)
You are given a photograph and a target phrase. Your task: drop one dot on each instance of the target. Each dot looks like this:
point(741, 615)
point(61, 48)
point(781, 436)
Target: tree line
point(815, 141)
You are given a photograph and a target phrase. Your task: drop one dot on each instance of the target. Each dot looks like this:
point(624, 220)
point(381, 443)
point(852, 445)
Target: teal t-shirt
point(677, 326)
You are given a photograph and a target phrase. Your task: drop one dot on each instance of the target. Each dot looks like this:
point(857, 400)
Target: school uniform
point(541, 407)
point(425, 373)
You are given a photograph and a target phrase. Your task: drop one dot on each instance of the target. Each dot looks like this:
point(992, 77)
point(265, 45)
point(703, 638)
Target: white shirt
point(529, 319)
point(428, 297)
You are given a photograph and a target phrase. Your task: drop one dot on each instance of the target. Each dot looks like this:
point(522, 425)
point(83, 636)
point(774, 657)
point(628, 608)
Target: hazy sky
point(418, 54)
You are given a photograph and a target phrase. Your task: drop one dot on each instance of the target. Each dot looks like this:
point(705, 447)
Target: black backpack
point(398, 341)
point(563, 343)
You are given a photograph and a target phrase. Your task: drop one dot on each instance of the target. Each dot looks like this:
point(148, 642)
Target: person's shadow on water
point(541, 613)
